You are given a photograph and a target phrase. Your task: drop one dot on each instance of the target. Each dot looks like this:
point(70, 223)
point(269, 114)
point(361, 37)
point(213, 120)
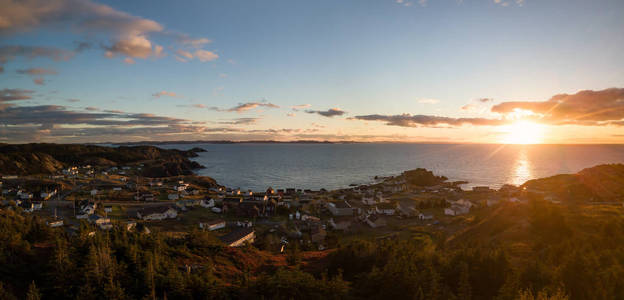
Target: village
point(272, 219)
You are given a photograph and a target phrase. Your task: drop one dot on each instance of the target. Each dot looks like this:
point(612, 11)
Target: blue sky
point(364, 58)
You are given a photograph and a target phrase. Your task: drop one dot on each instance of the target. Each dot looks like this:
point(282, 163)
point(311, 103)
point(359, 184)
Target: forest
point(570, 255)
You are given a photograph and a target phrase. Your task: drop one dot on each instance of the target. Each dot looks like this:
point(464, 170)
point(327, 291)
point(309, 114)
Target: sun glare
point(523, 132)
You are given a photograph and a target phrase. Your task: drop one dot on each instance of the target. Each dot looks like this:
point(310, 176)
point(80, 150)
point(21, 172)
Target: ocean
point(332, 166)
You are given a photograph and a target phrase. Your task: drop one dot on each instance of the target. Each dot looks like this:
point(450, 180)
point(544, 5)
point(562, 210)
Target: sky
point(471, 71)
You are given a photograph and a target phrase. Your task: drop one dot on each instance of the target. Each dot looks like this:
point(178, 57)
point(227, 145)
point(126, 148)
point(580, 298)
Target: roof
point(341, 204)
point(236, 235)
point(154, 210)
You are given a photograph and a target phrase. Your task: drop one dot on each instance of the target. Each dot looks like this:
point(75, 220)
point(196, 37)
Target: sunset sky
point(478, 71)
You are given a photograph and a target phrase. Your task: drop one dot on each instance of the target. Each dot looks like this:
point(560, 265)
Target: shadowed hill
point(599, 183)
point(29, 159)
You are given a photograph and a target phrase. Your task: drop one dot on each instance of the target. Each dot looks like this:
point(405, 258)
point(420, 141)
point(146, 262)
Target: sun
point(523, 132)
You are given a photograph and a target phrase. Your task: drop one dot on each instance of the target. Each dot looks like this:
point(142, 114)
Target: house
point(180, 187)
point(368, 199)
point(424, 217)
point(37, 205)
point(102, 222)
point(108, 208)
point(27, 206)
point(144, 197)
point(308, 218)
point(54, 224)
point(341, 208)
point(87, 207)
point(117, 189)
point(375, 221)
point(207, 203)
point(456, 210)
point(212, 225)
point(173, 196)
point(340, 223)
point(385, 209)
point(406, 208)
point(157, 213)
point(238, 237)
point(48, 195)
point(94, 192)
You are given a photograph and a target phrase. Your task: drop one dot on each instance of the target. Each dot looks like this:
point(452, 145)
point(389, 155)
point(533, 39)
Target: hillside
point(28, 159)
point(599, 183)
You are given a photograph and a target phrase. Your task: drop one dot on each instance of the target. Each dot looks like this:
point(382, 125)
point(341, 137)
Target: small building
point(406, 208)
point(456, 210)
point(53, 224)
point(108, 208)
point(157, 213)
point(207, 203)
point(375, 221)
point(212, 225)
point(94, 192)
point(424, 217)
point(385, 209)
point(340, 223)
point(341, 208)
point(238, 237)
point(173, 196)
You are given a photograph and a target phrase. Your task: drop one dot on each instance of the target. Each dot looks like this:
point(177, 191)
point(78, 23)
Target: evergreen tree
point(33, 292)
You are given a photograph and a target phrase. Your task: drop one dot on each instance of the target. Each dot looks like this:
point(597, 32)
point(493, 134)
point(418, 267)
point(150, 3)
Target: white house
point(212, 225)
point(368, 199)
point(238, 237)
point(341, 208)
point(423, 217)
point(94, 192)
point(173, 197)
point(157, 213)
point(456, 210)
point(53, 224)
point(207, 203)
point(375, 221)
point(385, 209)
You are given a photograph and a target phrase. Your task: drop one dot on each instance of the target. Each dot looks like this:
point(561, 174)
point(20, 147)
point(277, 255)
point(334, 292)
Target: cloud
point(37, 71)
point(128, 34)
point(185, 54)
point(39, 81)
point(15, 95)
point(241, 121)
point(242, 107)
point(1, 69)
point(164, 93)
point(588, 107)
point(129, 61)
point(300, 106)
point(291, 114)
point(200, 54)
point(118, 32)
point(328, 113)
point(8, 53)
point(205, 55)
point(407, 120)
point(73, 100)
point(428, 101)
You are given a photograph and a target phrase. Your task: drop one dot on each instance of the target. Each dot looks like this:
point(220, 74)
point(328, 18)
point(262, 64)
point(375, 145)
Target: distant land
point(29, 159)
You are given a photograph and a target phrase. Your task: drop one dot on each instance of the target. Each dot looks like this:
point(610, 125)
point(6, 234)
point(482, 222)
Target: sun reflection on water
point(522, 169)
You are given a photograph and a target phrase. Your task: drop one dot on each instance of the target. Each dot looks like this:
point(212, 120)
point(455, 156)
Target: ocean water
point(331, 166)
